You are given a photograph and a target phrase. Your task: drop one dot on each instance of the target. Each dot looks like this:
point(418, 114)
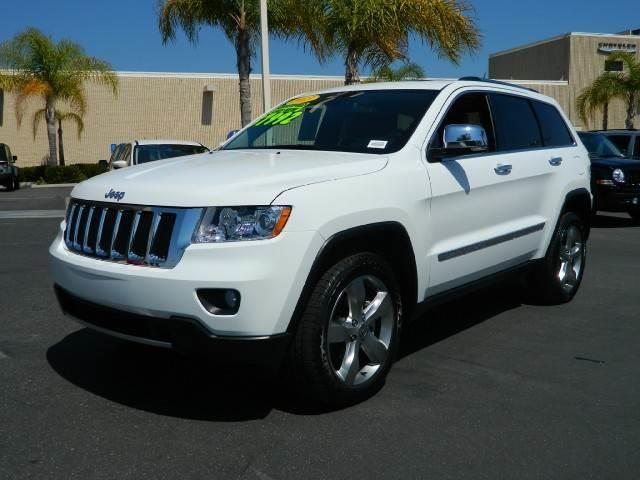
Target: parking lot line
point(31, 214)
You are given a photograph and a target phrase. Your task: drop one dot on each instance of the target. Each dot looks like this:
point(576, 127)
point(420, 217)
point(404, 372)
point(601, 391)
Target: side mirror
point(119, 164)
point(103, 163)
point(232, 133)
point(462, 139)
point(15, 158)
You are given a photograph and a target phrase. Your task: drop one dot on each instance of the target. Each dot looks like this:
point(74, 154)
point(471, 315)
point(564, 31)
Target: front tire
point(348, 334)
point(558, 277)
point(11, 185)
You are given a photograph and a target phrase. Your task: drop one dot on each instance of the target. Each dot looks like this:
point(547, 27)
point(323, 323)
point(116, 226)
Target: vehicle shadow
point(612, 221)
point(167, 383)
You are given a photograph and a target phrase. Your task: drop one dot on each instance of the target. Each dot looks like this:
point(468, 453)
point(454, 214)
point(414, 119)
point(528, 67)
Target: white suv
point(145, 151)
point(306, 241)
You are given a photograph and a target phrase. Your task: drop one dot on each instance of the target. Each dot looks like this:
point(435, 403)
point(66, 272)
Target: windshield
point(599, 146)
point(150, 153)
point(365, 121)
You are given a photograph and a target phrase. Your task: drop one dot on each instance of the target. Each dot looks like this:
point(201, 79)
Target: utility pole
point(264, 33)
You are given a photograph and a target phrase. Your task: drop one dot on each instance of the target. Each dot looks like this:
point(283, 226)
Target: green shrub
point(67, 174)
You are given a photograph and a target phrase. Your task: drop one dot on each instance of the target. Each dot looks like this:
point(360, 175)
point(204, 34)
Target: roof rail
point(496, 82)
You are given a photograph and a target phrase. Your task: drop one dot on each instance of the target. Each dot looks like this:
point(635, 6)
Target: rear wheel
point(348, 333)
point(17, 183)
point(11, 184)
point(558, 277)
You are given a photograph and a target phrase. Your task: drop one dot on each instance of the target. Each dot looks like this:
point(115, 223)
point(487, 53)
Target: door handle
point(503, 168)
point(555, 161)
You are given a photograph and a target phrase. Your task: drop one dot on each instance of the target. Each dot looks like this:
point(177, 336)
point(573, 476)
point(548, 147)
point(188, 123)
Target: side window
point(469, 108)
point(555, 132)
point(622, 142)
point(516, 125)
point(636, 148)
point(3, 153)
point(125, 153)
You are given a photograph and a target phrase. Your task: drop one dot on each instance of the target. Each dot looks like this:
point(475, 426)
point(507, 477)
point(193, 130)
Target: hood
point(242, 177)
point(614, 162)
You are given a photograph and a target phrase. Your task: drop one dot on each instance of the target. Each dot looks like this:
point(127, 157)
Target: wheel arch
point(579, 201)
point(387, 239)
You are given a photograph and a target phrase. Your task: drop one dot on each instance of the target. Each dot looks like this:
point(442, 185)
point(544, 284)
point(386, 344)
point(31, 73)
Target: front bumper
point(182, 334)
point(616, 198)
point(269, 275)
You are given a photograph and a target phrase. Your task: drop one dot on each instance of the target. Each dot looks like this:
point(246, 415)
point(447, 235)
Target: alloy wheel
point(571, 257)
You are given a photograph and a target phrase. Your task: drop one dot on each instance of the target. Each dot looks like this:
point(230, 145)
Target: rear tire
point(557, 279)
point(348, 333)
point(11, 185)
point(17, 183)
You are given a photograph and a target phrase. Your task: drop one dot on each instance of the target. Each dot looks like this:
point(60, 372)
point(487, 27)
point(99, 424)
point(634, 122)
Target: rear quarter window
point(555, 132)
point(515, 123)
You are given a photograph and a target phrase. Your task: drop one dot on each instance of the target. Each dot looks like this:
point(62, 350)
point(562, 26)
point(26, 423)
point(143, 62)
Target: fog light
point(219, 301)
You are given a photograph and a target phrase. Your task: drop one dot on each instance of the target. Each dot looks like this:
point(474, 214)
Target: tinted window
point(516, 125)
point(622, 142)
point(471, 109)
point(598, 145)
point(636, 148)
point(3, 153)
point(125, 153)
point(554, 130)
point(366, 121)
point(151, 153)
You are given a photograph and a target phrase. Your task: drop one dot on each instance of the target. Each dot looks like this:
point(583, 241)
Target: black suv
point(627, 141)
point(615, 179)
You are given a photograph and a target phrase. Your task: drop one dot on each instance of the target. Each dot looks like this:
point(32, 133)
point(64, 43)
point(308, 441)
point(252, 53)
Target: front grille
point(151, 236)
point(633, 177)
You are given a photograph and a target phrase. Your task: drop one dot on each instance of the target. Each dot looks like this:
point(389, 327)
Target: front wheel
point(558, 277)
point(348, 334)
point(11, 184)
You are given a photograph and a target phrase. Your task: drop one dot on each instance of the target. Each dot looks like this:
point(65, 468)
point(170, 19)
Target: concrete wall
point(547, 60)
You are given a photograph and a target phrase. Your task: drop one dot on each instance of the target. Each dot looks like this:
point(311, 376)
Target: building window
point(207, 107)
point(613, 66)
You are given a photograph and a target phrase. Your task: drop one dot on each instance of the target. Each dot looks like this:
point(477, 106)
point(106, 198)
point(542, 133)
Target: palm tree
point(629, 81)
point(598, 96)
point(376, 32)
point(624, 85)
point(53, 72)
point(238, 19)
point(60, 117)
point(408, 71)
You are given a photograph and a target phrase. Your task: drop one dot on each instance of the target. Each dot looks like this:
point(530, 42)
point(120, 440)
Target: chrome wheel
point(360, 330)
point(571, 257)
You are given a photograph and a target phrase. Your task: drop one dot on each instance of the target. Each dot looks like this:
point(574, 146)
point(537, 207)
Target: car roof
point(167, 142)
point(618, 131)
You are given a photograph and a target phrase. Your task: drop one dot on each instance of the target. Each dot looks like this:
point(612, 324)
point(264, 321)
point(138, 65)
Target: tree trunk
point(244, 70)
point(351, 74)
point(60, 146)
point(605, 116)
point(631, 110)
point(50, 115)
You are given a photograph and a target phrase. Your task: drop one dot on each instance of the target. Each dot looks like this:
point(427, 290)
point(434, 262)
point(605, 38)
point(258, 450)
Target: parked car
point(309, 237)
point(615, 179)
point(627, 141)
point(8, 169)
point(145, 151)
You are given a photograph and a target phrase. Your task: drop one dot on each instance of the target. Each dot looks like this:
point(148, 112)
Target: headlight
point(232, 224)
point(618, 175)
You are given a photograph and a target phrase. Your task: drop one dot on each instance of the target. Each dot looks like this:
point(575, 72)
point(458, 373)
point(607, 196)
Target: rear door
point(486, 208)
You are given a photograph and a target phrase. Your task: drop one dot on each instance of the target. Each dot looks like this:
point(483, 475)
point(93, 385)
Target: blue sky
point(125, 33)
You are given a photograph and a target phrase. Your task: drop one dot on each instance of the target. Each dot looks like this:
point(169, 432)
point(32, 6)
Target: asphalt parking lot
point(486, 387)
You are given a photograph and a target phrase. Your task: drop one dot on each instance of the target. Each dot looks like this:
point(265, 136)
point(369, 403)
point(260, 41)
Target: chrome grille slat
point(99, 251)
point(136, 235)
point(116, 227)
point(85, 246)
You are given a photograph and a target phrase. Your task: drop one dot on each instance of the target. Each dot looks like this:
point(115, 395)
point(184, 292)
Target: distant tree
point(60, 117)
point(52, 72)
point(376, 32)
point(408, 71)
point(240, 22)
point(608, 86)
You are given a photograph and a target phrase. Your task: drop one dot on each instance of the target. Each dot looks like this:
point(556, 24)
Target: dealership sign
point(617, 47)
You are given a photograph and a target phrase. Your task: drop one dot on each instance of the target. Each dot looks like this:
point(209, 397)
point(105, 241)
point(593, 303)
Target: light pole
point(264, 34)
